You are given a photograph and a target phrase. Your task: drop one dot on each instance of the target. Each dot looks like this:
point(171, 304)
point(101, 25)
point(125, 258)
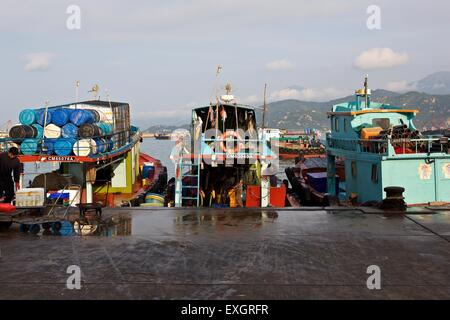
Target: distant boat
point(162, 136)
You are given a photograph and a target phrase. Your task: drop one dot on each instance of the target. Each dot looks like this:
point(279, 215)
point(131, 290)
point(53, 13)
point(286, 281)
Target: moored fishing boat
point(94, 150)
point(381, 148)
point(371, 148)
point(226, 160)
point(292, 145)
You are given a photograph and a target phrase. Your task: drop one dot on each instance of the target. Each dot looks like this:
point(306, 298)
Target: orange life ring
point(233, 134)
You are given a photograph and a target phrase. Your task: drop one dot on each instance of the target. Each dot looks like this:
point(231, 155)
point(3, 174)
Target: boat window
point(384, 123)
point(336, 124)
point(345, 125)
point(374, 172)
point(353, 169)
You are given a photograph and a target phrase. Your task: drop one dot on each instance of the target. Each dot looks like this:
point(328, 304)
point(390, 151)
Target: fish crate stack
point(79, 129)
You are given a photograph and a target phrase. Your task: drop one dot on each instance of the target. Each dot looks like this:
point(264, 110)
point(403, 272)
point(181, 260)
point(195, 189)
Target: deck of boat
point(236, 254)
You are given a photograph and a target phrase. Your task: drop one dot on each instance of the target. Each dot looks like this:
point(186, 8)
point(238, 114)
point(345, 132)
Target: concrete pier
point(235, 254)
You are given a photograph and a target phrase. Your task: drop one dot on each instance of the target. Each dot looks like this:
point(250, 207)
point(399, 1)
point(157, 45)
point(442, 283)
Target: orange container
point(253, 197)
point(369, 133)
point(277, 197)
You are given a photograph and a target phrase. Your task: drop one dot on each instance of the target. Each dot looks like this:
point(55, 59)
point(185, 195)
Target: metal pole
point(265, 107)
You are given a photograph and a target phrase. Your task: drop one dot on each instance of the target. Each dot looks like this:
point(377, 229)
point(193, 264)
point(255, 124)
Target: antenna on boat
point(265, 107)
point(366, 92)
point(77, 87)
point(216, 83)
point(95, 89)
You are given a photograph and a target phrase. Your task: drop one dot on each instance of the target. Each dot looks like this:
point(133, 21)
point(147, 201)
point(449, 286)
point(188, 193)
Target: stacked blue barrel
point(62, 131)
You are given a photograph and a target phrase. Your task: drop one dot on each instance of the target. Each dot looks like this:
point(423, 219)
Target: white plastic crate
point(30, 197)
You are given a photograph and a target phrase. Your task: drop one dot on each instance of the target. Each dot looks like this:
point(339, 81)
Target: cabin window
point(353, 169)
point(374, 173)
point(336, 124)
point(384, 123)
point(345, 125)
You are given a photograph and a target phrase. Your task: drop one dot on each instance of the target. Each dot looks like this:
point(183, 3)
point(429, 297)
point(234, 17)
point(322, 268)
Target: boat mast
point(366, 90)
point(265, 107)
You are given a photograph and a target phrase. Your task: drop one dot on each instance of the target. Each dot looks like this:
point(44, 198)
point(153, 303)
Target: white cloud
point(253, 99)
point(400, 86)
point(280, 65)
point(39, 61)
point(308, 94)
point(380, 58)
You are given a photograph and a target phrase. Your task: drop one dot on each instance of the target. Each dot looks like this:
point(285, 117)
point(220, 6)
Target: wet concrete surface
point(233, 254)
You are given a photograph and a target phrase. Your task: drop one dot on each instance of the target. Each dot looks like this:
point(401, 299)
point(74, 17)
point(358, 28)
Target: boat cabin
point(381, 147)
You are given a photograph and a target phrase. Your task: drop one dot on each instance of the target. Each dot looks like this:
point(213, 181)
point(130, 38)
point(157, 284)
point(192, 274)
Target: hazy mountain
point(436, 83)
point(296, 114)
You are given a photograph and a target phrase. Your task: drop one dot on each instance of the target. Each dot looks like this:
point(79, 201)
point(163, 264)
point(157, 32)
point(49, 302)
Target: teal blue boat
point(381, 147)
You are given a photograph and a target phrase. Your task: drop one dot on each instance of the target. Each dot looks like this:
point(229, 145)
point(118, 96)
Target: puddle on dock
point(127, 224)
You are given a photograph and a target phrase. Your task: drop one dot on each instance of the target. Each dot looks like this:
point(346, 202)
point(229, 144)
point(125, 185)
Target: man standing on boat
point(9, 165)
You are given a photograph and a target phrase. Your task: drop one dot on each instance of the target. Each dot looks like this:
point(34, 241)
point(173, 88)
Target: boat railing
point(390, 146)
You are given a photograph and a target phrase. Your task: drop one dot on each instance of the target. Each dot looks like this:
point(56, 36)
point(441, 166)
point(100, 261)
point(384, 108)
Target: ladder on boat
point(188, 181)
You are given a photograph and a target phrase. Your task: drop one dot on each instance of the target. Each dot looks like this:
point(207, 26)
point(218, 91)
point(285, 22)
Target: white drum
point(52, 131)
point(85, 147)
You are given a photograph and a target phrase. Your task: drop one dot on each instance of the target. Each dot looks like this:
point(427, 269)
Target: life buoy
point(232, 134)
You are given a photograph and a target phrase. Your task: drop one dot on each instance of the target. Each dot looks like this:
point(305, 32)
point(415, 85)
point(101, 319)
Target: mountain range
point(430, 95)
point(434, 110)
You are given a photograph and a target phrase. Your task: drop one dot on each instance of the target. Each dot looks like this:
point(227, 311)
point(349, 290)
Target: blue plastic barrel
point(69, 131)
point(148, 171)
point(100, 145)
point(61, 116)
point(29, 146)
point(80, 117)
point(48, 146)
point(40, 116)
point(40, 131)
point(64, 146)
point(105, 127)
point(27, 117)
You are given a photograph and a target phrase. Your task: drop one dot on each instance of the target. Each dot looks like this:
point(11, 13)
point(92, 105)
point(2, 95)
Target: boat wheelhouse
point(381, 147)
point(226, 160)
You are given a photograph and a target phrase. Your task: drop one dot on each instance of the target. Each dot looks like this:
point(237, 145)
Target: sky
point(161, 56)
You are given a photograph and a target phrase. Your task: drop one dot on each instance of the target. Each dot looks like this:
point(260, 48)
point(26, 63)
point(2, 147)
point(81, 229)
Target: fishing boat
point(226, 160)
point(309, 179)
point(162, 135)
point(292, 145)
point(380, 148)
point(94, 152)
